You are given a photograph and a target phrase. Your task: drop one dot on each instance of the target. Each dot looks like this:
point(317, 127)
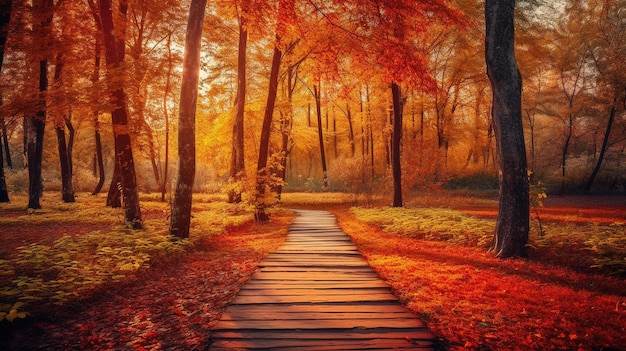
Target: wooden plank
point(245, 299)
point(373, 307)
point(357, 293)
point(322, 344)
point(359, 334)
point(334, 284)
point(301, 315)
point(341, 276)
point(308, 324)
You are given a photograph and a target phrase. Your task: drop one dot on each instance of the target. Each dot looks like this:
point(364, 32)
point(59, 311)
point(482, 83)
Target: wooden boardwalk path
point(317, 293)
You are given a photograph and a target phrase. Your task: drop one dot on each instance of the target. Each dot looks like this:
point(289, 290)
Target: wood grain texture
point(317, 293)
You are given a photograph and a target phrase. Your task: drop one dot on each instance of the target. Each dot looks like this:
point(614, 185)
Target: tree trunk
point(4, 193)
point(512, 225)
point(114, 195)
point(320, 133)
point(34, 139)
point(5, 17)
point(99, 158)
point(181, 208)
point(397, 145)
point(263, 173)
point(605, 143)
point(67, 188)
point(166, 116)
point(5, 140)
point(114, 52)
point(350, 131)
point(237, 164)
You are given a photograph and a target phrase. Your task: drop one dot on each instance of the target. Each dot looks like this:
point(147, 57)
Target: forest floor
point(554, 300)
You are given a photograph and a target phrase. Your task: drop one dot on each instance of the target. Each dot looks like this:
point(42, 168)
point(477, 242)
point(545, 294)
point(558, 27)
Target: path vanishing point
point(317, 293)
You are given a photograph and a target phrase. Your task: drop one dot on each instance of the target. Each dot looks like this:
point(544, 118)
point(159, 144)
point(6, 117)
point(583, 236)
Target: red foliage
point(474, 301)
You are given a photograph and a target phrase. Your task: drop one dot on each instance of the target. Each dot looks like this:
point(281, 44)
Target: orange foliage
point(474, 301)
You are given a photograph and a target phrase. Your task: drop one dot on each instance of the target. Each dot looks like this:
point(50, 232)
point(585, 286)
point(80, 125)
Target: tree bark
point(605, 143)
point(114, 53)
point(512, 225)
point(181, 208)
point(320, 133)
point(34, 140)
point(237, 164)
point(263, 173)
point(99, 158)
point(67, 188)
point(166, 116)
point(5, 17)
point(396, 158)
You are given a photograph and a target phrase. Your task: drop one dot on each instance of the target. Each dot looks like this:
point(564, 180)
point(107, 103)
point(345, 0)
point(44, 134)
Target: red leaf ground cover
point(167, 307)
point(473, 301)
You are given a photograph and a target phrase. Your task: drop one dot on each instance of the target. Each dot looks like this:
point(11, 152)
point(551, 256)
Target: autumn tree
point(512, 225)
point(237, 164)
point(181, 207)
point(114, 53)
point(5, 17)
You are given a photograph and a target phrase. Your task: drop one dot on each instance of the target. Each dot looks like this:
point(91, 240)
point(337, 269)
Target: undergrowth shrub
point(430, 223)
point(74, 266)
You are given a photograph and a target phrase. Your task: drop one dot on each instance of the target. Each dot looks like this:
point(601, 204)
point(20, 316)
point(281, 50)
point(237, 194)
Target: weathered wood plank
point(358, 294)
point(321, 344)
point(244, 299)
point(358, 334)
point(319, 324)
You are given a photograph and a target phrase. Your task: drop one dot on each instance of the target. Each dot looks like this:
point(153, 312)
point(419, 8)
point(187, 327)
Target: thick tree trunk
point(34, 132)
point(5, 17)
point(511, 234)
point(181, 208)
point(237, 163)
point(114, 50)
point(65, 160)
point(396, 163)
point(67, 188)
point(320, 133)
point(114, 195)
point(263, 173)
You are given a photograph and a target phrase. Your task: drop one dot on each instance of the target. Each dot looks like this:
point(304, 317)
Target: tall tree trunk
point(5, 17)
point(350, 131)
point(166, 116)
point(263, 173)
point(181, 207)
point(396, 163)
point(237, 163)
point(114, 53)
point(605, 143)
point(4, 193)
point(5, 140)
point(320, 133)
point(96, 126)
point(34, 139)
point(99, 158)
point(512, 225)
point(67, 188)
